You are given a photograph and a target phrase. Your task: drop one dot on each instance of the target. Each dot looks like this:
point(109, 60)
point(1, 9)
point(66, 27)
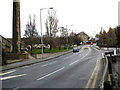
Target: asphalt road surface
point(74, 70)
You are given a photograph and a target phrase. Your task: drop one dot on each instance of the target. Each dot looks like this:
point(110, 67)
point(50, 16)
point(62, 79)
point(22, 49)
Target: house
point(72, 34)
point(83, 36)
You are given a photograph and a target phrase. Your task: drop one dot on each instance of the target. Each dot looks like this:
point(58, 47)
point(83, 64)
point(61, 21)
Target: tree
point(63, 36)
point(73, 38)
point(104, 38)
point(107, 38)
point(31, 31)
point(117, 31)
point(51, 25)
point(63, 31)
point(100, 37)
point(112, 39)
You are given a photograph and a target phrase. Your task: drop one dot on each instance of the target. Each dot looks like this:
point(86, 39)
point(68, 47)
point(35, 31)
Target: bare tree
point(51, 25)
point(31, 31)
point(63, 36)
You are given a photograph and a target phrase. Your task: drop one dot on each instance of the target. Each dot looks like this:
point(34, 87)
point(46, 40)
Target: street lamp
point(67, 36)
point(41, 26)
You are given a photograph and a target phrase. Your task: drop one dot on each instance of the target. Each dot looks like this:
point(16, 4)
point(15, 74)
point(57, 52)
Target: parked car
point(75, 49)
point(24, 50)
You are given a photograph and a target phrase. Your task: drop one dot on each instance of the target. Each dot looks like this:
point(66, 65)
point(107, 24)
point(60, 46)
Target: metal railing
point(105, 73)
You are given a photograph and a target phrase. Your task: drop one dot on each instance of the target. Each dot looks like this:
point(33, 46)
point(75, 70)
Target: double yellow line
point(95, 78)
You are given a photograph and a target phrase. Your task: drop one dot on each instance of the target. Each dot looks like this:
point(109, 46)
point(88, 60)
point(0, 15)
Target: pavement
point(73, 70)
point(40, 58)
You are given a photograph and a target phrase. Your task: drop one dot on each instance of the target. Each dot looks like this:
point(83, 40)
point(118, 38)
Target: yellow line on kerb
point(89, 81)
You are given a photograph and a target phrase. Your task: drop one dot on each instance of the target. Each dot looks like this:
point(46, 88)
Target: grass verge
point(54, 50)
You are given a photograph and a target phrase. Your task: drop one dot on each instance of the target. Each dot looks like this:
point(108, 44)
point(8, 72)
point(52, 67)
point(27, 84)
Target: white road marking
point(25, 66)
point(51, 73)
point(48, 64)
point(67, 57)
point(16, 88)
point(7, 72)
point(85, 55)
point(73, 62)
point(71, 55)
point(102, 55)
point(9, 77)
point(90, 57)
point(96, 49)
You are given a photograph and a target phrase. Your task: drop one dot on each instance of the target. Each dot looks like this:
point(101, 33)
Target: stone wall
point(13, 56)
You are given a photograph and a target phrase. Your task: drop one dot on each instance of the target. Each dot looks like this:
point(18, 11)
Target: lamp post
point(67, 36)
point(41, 26)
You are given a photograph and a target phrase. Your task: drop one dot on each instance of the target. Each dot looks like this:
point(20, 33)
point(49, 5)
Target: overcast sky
point(85, 15)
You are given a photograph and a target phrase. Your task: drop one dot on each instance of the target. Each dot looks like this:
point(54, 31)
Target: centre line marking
point(67, 57)
point(51, 73)
point(25, 66)
point(7, 72)
point(16, 88)
point(74, 62)
point(9, 77)
point(48, 64)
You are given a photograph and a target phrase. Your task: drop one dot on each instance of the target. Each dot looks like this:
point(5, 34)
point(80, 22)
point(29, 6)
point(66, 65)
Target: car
point(24, 50)
point(91, 43)
point(75, 49)
point(86, 47)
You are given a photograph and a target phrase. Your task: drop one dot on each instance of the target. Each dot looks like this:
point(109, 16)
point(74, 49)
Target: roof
point(4, 38)
point(82, 33)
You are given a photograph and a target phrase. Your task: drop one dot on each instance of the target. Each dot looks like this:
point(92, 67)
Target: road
point(74, 70)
